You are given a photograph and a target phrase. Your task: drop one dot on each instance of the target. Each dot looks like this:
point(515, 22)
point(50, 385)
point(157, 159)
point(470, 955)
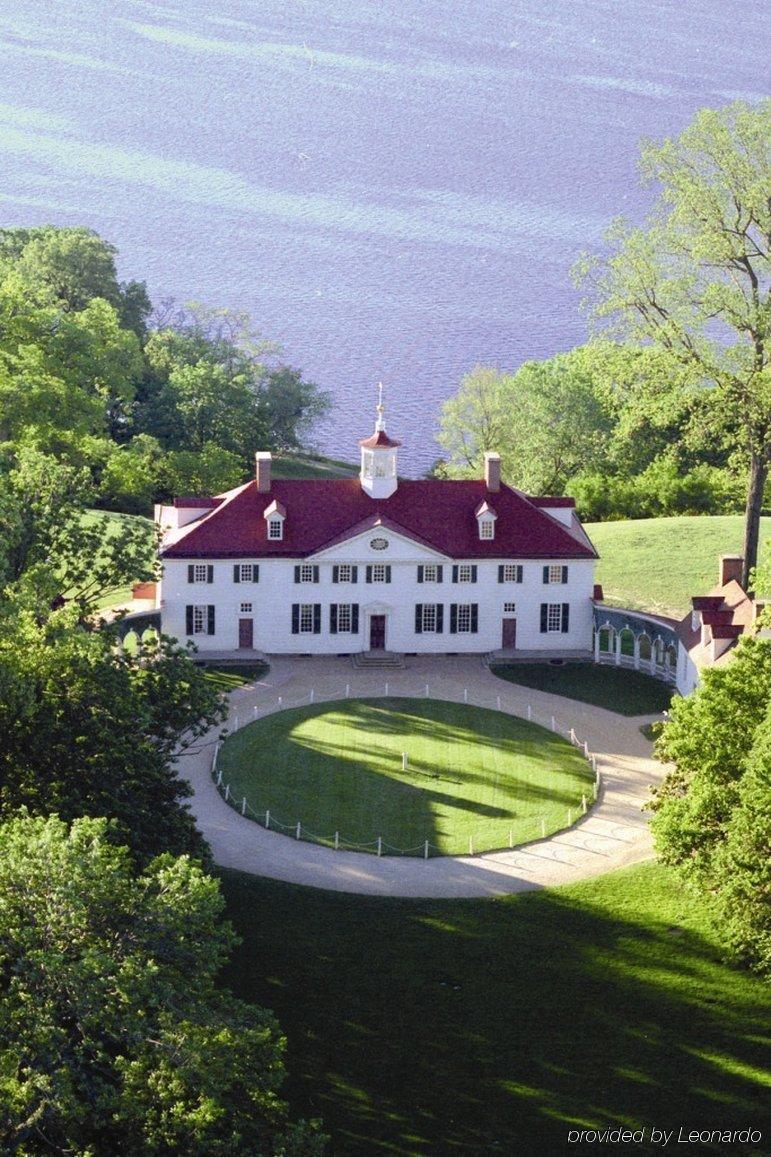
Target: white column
point(618, 648)
point(636, 653)
point(596, 646)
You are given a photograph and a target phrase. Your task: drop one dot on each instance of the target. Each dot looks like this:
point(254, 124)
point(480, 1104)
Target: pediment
point(378, 541)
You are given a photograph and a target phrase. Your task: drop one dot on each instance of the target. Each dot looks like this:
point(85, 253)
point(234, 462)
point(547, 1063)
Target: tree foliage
point(114, 1037)
point(712, 811)
point(695, 281)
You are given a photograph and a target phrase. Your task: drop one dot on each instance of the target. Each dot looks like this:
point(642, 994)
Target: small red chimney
point(262, 460)
point(730, 568)
point(492, 471)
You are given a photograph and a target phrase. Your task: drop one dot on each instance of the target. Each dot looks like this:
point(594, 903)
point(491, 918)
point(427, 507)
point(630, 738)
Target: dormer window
point(485, 516)
point(275, 515)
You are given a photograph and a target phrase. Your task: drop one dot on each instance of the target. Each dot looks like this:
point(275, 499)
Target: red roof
point(541, 500)
point(320, 512)
point(378, 441)
point(196, 503)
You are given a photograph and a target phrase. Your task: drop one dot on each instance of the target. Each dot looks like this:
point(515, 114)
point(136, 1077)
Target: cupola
point(377, 473)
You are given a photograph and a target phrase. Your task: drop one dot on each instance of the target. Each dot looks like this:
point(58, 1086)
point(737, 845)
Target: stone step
point(377, 661)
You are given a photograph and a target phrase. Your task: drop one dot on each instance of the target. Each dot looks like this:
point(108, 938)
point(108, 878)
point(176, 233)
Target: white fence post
point(227, 792)
point(267, 817)
point(313, 693)
point(243, 806)
point(405, 761)
point(347, 690)
point(465, 694)
point(235, 723)
point(386, 690)
point(511, 838)
point(529, 712)
point(279, 702)
point(583, 803)
point(380, 845)
point(572, 735)
point(337, 841)
point(498, 702)
point(553, 724)
point(426, 690)
point(297, 834)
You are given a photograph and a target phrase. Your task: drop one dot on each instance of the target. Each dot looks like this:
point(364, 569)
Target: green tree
point(547, 421)
point(89, 729)
point(717, 743)
point(695, 281)
point(115, 1036)
point(291, 407)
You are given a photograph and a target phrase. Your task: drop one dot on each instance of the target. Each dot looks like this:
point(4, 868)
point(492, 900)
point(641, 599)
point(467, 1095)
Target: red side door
point(509, 635)
point(246, 633)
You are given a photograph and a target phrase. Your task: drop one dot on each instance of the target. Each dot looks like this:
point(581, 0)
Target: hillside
point(656, 564)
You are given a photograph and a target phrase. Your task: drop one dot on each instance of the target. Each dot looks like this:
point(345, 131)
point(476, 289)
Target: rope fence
point(540, 826)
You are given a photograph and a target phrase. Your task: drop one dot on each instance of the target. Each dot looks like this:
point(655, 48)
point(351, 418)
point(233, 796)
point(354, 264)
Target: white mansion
point(375, 563)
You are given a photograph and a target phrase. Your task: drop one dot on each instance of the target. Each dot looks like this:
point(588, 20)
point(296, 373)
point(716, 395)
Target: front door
point(377, 632)
point(509, 641)
point(246, 634)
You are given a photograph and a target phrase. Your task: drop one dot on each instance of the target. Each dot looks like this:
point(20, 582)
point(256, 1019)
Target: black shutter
point(474, 618)
point(544, 618)
point(388, 573)
point(500, 574)
point(439, 619)
point(354, 574)
point(520, 573)
point(295, 618)
point(210, 620)
point(191, 574)
point(564, 574)
point(453, 618)
point(420, 574)
point(317, 618)
point(455, 574)
point(333, 618)
point(210, 574)
point(546, 574)
point(236, 573)
point(369, 574)
point(315, 574)
point(188, 620)
point(565, 618)
point(256, 573)
point(355, 619)
point(418, 618)
point(297, 574)
point(335, 574)
point(474, 574)
point(439, 573)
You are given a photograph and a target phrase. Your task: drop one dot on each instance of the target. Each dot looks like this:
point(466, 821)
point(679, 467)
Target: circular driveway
point(612, 834)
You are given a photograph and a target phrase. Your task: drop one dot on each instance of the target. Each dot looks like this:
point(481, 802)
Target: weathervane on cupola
point(378, 457)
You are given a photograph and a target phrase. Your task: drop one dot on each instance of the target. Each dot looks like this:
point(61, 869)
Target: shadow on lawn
point(359, 788)
point(427, 1027)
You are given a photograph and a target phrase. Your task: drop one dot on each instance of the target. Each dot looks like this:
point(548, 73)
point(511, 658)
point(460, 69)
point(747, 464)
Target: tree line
point(668, 408)
point(151, 402)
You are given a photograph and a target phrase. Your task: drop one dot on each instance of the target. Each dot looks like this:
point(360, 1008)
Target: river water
point(394, 190)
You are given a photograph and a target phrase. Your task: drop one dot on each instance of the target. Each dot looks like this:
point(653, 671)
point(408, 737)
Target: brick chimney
point(492, 471)
point(262, 460)
point(730, 568)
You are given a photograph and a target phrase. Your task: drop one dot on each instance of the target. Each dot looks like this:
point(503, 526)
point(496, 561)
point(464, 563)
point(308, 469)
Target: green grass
point(311, 466)
point(231, 675)
point(656, 564)
point(473, 774)
point(494, 1026)
point(112, 521)
point(626, 692)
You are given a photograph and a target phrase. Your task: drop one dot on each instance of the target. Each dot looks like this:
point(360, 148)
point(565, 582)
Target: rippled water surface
point(393, 189)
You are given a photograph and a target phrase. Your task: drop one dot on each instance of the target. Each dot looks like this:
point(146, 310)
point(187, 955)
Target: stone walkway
point(612, 834)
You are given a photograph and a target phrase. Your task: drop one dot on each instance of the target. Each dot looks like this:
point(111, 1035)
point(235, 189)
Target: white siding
point(272, 598)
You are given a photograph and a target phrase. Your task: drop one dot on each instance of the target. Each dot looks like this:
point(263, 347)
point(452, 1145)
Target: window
point(306, 618)
point(509, 608)
point(510, 572)
point(430, 574)
point(344, 618)
point(306, 573)
point(429, 617)
point(366, 463)
point(464, 573)
point(246, 608)
point(275, 528)
point(486, 528)
point(464, 618)
point(245, 573)
point(554, 617)
point(555, 574)
point(344, 573)
point(379, 572)
point(199, 620)
point(200, 572)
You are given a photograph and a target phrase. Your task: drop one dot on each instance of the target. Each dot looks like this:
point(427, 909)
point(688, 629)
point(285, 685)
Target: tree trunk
point(758, 475)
